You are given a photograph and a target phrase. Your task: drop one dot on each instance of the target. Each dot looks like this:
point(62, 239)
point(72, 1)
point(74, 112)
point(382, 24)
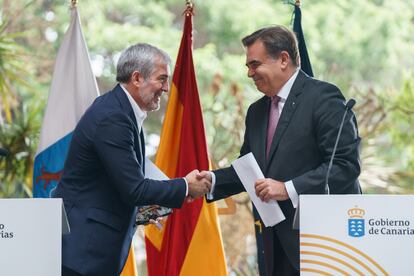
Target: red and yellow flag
point(190, 242)
point(130, 269)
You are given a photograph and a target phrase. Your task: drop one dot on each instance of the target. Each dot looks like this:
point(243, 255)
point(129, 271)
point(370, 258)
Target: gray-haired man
point(103, 179)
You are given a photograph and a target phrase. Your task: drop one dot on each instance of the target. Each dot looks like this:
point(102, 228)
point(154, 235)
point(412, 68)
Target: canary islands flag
point(72, 90)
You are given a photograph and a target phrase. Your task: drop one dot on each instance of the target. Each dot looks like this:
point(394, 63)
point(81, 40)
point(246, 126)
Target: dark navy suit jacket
point(300, 151)
point(102, 183)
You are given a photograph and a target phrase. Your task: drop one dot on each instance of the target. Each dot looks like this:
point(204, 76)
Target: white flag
point(72, 91)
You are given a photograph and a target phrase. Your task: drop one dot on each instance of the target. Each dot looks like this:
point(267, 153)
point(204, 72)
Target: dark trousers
point(69, 272)
point(281, 264)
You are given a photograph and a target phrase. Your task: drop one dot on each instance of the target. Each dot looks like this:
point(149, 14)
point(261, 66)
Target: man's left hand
point(267, 189)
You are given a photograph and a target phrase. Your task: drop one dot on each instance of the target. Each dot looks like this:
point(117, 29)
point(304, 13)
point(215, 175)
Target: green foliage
point(11, 69)
point(19, 138)
point(402, 116)
point(19, 130)
point(353, 42)
point(362, 46)
point(226, 22)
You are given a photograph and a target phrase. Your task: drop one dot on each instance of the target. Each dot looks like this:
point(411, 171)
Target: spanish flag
point(130, 268)
point(190, 242)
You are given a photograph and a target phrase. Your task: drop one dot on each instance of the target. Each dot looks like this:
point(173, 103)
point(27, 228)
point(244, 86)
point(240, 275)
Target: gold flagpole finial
point(73, 3)
point(189, 9)
point(189, 4)
point(297, 3)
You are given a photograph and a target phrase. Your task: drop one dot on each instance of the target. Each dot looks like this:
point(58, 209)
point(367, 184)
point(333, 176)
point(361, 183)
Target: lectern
point(356, 234)
point(31, 236)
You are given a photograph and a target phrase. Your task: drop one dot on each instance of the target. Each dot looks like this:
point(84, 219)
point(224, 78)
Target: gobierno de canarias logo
point(356, 222)
point(324, 255)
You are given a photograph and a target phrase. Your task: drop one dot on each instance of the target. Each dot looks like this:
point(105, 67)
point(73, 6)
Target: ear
point(284, 59)
point(137, 79)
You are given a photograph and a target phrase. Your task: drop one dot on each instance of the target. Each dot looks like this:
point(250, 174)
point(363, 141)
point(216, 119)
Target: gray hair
point(140, 57)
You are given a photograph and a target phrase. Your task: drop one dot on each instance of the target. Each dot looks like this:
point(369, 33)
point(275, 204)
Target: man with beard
point(103, 180)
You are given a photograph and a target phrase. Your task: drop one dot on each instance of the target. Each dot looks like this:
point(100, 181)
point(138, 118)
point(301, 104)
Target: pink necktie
point(273, 119)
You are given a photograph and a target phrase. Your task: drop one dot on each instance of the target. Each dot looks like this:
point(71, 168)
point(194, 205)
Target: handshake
point(199, 183)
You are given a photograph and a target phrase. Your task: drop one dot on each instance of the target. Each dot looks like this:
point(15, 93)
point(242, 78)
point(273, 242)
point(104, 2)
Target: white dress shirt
point(140, 116)
point(283, 94)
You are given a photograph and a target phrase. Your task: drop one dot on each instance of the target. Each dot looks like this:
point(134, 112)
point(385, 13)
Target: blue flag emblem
point(356, 227)
point(48, 167)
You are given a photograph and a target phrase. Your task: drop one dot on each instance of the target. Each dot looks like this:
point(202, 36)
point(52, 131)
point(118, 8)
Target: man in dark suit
point(103, 180)
point(291, 132)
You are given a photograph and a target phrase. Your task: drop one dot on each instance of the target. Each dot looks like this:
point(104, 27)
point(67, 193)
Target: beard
point(152, 101)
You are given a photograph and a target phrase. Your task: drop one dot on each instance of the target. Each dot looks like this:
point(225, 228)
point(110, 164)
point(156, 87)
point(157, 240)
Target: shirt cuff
point(293, 195)
point(186, 186)
point(210, 194)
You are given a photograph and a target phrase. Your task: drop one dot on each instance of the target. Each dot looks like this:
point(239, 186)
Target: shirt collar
point(140, 115)
point(284, 92)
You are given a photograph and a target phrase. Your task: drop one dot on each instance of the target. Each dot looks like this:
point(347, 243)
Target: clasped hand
point(268, 188)
point(199, 184)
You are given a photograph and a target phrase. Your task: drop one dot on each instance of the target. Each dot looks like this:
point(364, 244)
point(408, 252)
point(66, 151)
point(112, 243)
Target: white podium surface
point(30, 237)
point(356, 234)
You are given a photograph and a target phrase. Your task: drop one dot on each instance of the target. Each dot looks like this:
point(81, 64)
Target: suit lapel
point(259, 130)
point(263, 132)
point(139, 144)
point(125, 104)
point(142, 145)
point(289, 109)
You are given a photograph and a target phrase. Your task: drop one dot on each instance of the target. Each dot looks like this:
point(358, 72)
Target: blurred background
point(364, 47)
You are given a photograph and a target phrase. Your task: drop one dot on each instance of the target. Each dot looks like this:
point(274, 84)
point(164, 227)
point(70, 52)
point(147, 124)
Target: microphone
point(349, 105)
point(4, 152)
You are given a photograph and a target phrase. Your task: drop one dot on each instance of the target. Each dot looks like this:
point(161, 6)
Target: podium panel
point(356, 234)
point(30, 237)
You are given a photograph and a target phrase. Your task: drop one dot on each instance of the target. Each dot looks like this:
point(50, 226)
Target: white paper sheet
point(249, 171)
point(153, 172)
